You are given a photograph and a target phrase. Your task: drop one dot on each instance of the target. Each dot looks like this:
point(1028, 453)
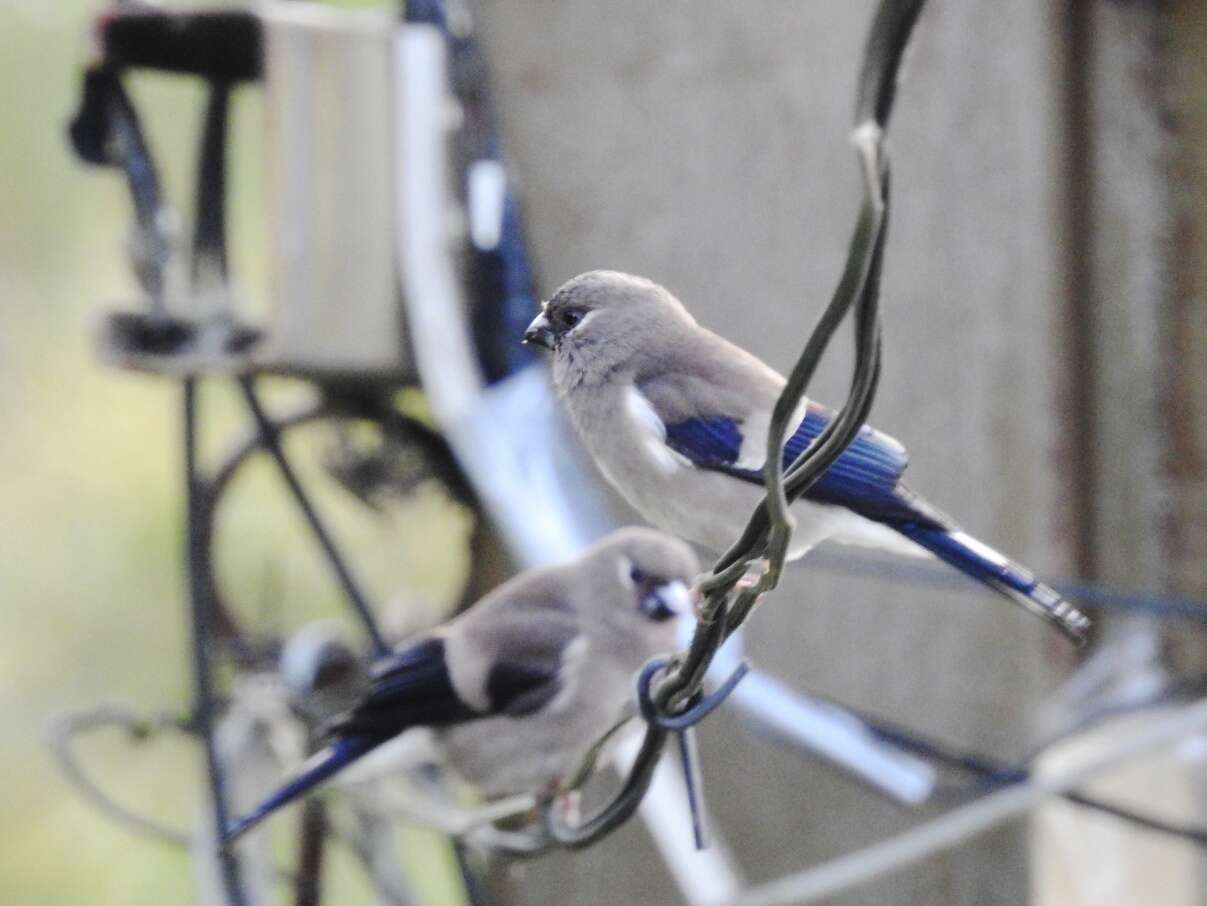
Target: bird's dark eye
point(571, 317)
point(636, 575)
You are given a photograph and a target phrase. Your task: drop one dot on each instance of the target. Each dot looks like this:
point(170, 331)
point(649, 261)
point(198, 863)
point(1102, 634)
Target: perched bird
point(323, 672)
point(677, 419)
point(518, 687)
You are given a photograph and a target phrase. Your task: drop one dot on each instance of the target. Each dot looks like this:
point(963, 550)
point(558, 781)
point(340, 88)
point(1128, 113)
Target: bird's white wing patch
point(753, 453)
point(575, 656)
point(652, 432)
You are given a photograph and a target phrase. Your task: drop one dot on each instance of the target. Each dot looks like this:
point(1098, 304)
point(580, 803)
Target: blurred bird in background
point(518, 687)
point(677, 419)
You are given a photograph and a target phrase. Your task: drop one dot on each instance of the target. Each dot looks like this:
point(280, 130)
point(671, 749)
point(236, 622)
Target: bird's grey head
point(602, 320)
point(655, 572)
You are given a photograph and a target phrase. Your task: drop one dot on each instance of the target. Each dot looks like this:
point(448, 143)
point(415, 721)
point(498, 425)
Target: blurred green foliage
point(91, 589)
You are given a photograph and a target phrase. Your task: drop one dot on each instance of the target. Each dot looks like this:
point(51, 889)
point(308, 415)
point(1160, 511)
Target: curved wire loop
point(622, 806)
point(677, 703)
point(64, 729)
point(699, 707)
point(62, 732)
point(683, 724)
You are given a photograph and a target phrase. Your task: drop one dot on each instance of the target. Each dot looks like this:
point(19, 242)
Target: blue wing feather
point(708, 442)
point(329, 762)
point(865, 478)
point(410, 688)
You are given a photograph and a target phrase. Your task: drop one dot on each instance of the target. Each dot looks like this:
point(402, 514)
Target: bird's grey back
point(704, 374)
point(582, 621)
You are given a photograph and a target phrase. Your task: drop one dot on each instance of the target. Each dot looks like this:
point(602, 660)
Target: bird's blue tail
point(983, 563)
point(321, 767)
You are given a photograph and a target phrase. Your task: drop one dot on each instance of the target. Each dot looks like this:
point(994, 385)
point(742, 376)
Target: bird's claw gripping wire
point(624, 804)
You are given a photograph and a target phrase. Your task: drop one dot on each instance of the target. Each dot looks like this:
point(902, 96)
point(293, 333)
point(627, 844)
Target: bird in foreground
point(518, 687)
point(677, 419)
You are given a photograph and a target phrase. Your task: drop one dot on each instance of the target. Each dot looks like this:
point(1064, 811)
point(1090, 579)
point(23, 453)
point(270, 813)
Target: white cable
point(977, 817)
point(820, 728)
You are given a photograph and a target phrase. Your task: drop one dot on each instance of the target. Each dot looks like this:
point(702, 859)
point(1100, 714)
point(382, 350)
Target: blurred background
point(1046, 364)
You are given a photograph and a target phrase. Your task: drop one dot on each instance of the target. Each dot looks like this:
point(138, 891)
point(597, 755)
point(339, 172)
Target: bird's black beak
point(540, 332)
point(670, 599)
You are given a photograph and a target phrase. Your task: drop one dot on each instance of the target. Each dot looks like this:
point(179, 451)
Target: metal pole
point(202, 637)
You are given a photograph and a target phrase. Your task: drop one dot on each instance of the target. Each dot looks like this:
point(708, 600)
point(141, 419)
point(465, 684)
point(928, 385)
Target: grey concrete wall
point(705, 145)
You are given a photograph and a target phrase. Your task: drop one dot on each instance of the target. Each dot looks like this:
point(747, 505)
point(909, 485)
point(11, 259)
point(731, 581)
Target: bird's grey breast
point(623, 434)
